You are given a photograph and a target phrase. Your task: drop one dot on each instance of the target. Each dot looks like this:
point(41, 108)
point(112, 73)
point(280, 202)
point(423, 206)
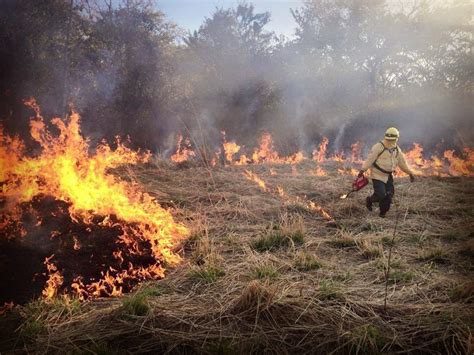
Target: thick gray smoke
point(352, 69)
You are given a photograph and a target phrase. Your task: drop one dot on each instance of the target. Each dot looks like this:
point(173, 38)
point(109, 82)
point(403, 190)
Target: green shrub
point(306, 262)
point(388, 241)
point(399, 276)
point(329, 291)
point(135, 304)
point(347, 276)
point(437, 255)
point(266, 271)
point(370, 251)
point(151, 289)
point(276, 240)
point(206, 274)
point(32, 328)
point(416, 239)
point(343, 242)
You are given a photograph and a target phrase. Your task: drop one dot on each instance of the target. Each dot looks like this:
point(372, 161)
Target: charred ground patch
point(81, 252)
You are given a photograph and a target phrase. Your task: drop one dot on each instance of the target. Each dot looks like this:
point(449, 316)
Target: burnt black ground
point(22, 271)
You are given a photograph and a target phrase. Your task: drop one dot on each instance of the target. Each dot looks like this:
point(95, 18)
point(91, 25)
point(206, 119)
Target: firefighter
point(384, 157)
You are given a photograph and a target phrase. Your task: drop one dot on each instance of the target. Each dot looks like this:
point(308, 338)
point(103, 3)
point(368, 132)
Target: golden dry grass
point(324, 293)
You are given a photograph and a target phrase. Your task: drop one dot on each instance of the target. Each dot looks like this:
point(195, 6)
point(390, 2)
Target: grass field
point(263, 273)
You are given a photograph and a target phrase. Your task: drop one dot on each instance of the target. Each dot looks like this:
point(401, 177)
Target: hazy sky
point(189, 14)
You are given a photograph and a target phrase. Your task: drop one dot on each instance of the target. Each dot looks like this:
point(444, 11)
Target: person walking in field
point(384, 157)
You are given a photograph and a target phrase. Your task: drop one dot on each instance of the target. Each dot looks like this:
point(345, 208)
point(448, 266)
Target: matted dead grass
point(314, 287)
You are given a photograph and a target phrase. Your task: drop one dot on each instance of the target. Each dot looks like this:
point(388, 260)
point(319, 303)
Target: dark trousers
point(383, 193)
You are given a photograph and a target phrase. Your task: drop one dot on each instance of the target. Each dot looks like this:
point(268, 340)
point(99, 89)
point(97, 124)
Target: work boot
point(368, 203)
point(385, 205)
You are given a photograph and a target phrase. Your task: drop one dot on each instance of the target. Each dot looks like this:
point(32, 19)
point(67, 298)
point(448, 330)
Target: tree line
point(351, 67)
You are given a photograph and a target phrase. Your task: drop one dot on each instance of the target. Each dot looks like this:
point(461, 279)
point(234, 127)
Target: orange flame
point(230, 148)
point(447, 164)
point(338, 156)
point(55, 279)
point(243, 160)
point(253, 177)
point(415, 156)
point(320, 172)
point(319, 154)
point(184, 151)
point(265, 153)
point(458, 166)
point(66, 170)
point(312, 205)
point(348, 171)
point(280, 192)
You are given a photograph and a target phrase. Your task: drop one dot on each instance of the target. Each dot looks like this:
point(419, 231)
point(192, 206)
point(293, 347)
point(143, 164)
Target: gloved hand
point(361, 173)
point(412, 178)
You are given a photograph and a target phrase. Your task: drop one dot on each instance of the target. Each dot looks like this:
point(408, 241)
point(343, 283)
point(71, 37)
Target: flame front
point(449, 163)
point(65, 170)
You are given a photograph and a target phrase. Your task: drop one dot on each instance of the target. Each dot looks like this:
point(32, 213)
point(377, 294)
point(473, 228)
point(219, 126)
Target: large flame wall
point(66, 171)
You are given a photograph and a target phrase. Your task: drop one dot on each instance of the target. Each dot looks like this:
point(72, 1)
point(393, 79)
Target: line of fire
point(94, 234)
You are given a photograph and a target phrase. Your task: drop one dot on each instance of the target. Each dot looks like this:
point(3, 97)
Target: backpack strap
point(378, 156)
point(384, 149)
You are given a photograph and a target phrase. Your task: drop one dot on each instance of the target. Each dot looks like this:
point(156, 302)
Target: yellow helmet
point(392, 134)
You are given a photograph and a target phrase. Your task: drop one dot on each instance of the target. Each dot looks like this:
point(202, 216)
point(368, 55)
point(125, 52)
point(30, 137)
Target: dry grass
point(369, 249)
point(261, 274)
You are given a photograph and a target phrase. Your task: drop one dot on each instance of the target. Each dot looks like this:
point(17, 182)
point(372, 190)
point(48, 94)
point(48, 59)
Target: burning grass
point(95, 234)
point(442, 164)
point(264, 271)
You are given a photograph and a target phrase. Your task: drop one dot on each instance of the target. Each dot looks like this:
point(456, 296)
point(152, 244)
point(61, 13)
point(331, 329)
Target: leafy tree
point(226, 59)
point(128, 70)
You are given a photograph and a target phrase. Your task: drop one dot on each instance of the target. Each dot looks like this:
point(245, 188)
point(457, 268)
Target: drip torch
point(357, 185)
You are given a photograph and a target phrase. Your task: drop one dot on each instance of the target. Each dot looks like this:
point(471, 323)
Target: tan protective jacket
point(387, 161)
